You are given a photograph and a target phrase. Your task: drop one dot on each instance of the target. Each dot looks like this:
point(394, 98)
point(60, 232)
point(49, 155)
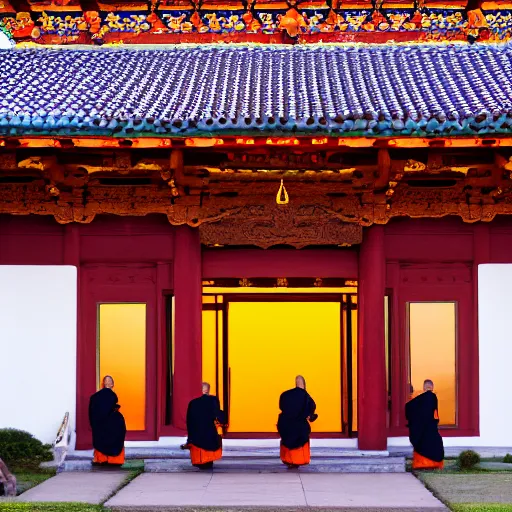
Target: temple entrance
point(255, 341)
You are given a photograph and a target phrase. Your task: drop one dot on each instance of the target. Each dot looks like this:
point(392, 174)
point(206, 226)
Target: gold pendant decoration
point(282, 195)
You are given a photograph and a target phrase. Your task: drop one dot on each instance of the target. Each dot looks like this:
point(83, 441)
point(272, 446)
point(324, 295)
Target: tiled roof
point(350, 90)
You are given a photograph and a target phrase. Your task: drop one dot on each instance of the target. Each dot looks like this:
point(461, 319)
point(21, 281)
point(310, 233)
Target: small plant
point(19, 449)
point(468, 459)
point(508, 458)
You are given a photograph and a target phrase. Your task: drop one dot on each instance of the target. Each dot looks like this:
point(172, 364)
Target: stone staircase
point(257, 460)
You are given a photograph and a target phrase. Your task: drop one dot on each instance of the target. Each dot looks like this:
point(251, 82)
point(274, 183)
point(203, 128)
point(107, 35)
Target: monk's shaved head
point(428, 385)
point(300, 382)
point(108, 382)
point(206, 388)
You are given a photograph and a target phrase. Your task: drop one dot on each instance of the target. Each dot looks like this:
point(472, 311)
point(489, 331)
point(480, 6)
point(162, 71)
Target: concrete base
point(274, 465)
point(292, 491)
point(229, 452)
point(260, 460)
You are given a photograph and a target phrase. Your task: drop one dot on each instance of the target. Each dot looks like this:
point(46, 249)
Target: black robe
point(202, 413)
point(107, 423)
point(422, 419)
point(297, 407)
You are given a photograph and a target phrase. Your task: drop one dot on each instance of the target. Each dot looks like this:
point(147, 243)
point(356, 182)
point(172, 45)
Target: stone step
point(274, 465)
point(259, 465)
point(230, 452)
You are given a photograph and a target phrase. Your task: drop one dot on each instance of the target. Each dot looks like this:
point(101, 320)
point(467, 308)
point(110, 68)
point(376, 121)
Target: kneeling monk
point(108, 425)
point(423, 419)
point(297, 410)
point(204, 418)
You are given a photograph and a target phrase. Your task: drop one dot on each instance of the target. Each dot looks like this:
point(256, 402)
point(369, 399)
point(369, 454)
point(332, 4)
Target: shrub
point(508, 458)
point(468, 459)
point(21, 449)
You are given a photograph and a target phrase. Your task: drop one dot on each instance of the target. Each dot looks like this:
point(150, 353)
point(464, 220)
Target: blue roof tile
point(348, 90)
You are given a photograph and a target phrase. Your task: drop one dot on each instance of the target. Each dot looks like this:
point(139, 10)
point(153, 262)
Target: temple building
point(242, 191)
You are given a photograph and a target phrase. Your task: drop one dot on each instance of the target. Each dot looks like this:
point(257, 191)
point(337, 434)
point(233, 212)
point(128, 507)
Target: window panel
point(432, 340)
point(122, 354)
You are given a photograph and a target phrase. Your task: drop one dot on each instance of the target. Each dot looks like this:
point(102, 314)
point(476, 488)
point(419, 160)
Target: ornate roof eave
point(269, 140)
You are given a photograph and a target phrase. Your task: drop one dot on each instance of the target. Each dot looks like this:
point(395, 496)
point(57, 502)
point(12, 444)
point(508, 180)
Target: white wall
point(495, 349)
point(495, 360)
point(38, 324)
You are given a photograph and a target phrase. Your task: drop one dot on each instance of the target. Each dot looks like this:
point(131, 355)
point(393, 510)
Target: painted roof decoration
point(50, 22)
point(351, 90)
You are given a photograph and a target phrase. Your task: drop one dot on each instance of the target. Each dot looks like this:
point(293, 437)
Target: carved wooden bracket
point(268, 225)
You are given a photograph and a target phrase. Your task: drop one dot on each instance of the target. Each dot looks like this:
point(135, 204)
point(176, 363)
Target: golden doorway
point(254, 344)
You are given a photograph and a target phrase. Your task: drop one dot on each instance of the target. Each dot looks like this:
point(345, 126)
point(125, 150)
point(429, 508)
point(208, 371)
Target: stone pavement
point(93, 488)
point(292, 490)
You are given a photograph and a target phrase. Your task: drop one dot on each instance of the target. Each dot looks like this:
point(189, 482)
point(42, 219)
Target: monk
point(423, 420)
point(297, 411)
point(108, 425)
point(204, 420)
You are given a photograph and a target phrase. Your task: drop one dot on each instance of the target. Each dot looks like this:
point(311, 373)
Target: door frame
point(104, 292)
point(345, 341)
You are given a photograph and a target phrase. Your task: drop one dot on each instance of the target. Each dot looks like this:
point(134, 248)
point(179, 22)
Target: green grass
point(481, 507)
point(50, 507)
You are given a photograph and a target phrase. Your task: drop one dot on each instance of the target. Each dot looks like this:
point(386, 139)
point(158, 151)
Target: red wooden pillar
point(372, 400)
point(187, 326)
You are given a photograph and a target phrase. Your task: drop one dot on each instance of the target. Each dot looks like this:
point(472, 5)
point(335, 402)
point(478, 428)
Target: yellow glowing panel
point(354, 370)
point(432, 337)
point(122, 354)
point(249, 290)
point(209, 349)
point(269, 344)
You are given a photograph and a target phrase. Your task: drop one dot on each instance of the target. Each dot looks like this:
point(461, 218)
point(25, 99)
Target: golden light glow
point(354, 369)
point(283, 142)
point(432, 334)
point(269, 344)
point(249, 290)
point(122, 354)
point(212, 341)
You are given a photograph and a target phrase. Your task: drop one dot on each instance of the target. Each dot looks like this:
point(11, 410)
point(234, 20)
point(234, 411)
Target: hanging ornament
point(282, 195)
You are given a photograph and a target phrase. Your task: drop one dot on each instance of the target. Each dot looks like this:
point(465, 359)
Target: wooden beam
point(384, 165)
point(231, 142)
point(20, 5)
point(89, 5)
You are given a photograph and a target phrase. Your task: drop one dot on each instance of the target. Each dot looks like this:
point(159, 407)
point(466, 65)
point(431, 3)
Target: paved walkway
point(292, 490)
point(94, 487)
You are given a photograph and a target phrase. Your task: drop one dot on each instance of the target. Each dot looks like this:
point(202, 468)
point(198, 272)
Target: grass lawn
point(481, 507)
point(50, 507)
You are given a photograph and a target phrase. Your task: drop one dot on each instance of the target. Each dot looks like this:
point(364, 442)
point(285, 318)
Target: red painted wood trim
point(163, 283)
point(187, 328)
point(274, 263)
point(462, 293)
point(398, 371)
point(71, 256)
point(99, 290)
point(481, 254)
point(372, 399)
